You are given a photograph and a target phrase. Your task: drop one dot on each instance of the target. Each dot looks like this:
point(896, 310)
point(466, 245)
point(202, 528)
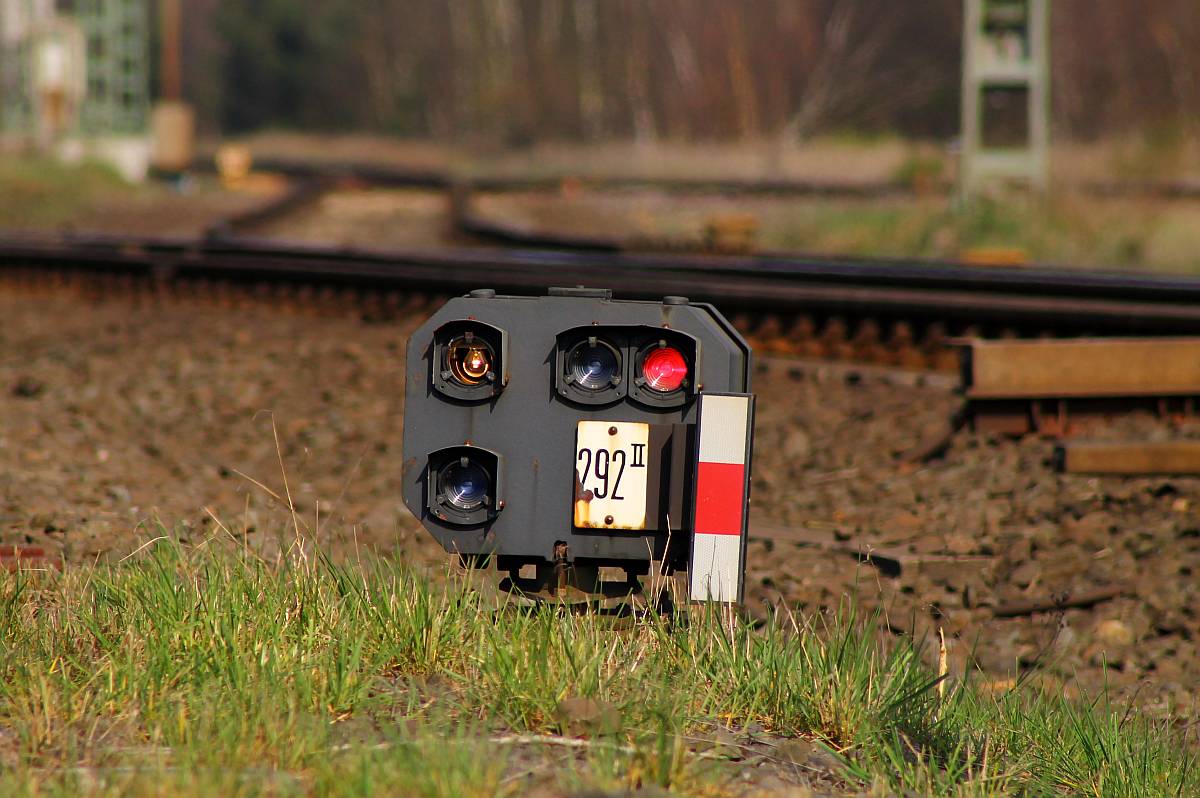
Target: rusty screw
point(608, 519)
point(612, 430)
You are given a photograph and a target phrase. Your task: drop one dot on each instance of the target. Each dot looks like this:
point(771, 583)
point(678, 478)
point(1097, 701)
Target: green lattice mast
point(118, 66)
point(16, 102)
point(1006, 54)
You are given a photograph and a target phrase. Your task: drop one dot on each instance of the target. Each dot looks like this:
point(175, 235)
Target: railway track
point(885, 311)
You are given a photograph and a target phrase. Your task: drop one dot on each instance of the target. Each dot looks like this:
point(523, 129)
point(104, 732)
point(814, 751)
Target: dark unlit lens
point(465, 486)
point(594, 366)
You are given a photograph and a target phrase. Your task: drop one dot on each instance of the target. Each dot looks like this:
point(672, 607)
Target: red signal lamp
point(664, 369)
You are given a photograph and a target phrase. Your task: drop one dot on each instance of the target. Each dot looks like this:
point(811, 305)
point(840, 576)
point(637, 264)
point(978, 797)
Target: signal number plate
point(610, 474)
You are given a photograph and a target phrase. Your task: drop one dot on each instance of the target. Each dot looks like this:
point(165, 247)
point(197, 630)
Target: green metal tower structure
point(1005, 94)
point(118, 66)
point(116, 35)
point(16, 99)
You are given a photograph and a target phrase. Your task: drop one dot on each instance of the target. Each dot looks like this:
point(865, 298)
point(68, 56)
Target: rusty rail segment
point(1171, 457)
point(299, 194)
point(1062, 601)
point(17, 558)
point(1056, 387)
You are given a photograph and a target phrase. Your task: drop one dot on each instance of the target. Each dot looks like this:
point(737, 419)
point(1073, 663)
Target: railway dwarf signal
point(566, 433)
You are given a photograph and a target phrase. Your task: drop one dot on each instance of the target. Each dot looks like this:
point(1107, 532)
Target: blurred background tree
point(512, 71)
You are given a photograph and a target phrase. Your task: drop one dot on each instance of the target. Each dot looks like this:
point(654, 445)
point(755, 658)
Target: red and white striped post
point(722, 499)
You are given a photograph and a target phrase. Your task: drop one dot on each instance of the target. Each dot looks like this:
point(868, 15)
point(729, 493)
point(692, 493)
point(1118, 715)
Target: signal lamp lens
point(470, 360)
point(594, 366)
point(664, 369)
point(464, 484)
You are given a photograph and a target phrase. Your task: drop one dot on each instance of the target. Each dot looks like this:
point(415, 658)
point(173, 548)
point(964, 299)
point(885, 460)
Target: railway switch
point(569, 434)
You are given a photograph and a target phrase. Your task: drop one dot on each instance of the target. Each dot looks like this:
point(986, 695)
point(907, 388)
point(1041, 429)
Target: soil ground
point(382, 218)
point(1071, 230)
point(45, 196)
point(1065, 229)
point(122, 421)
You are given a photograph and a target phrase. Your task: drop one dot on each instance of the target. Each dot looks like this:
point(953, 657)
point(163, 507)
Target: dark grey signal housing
point(515, 498)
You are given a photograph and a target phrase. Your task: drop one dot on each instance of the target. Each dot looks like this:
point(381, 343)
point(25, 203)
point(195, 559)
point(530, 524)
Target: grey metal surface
point(534, 429)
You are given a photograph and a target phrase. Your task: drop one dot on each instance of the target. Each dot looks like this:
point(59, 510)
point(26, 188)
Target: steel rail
point(1058, 300)
point(875, 270)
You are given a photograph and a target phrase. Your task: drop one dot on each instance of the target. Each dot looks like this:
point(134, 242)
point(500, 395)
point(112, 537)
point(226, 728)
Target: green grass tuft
point(193, 671)
point(39, 193)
